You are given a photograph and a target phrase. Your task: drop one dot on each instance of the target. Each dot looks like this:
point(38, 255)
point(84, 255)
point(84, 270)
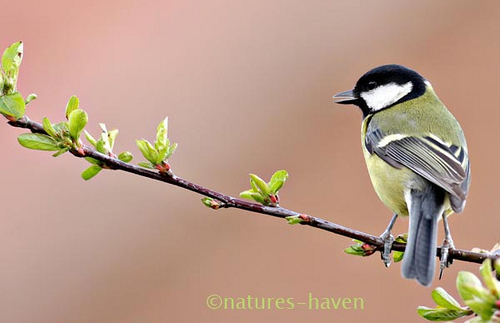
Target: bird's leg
point(446, 246)
point(388, 240)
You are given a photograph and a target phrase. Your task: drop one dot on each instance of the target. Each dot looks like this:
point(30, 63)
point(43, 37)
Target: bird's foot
point(388, 240)
point(386, 254)
point(445, 253)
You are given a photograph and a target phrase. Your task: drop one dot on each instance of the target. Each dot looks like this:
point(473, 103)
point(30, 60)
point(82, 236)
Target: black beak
point(346, 97)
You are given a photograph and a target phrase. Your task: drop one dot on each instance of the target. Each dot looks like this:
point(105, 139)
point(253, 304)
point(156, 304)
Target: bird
point(417, 159)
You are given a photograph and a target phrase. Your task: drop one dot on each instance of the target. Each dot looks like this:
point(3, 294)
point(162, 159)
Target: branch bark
point(227, 201)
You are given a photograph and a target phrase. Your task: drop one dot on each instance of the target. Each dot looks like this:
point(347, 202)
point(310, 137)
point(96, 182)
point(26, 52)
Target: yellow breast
point(389, 182)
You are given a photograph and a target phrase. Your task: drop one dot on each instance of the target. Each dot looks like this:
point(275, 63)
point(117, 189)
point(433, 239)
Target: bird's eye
point(372, 85)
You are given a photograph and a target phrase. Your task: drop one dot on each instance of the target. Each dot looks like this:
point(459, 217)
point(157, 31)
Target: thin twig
point(232, 202)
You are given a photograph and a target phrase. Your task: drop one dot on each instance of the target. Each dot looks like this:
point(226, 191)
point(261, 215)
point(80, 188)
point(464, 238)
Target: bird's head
point(383, 87)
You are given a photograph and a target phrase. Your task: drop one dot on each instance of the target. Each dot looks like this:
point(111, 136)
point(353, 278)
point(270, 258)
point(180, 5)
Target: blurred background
point(247, 86)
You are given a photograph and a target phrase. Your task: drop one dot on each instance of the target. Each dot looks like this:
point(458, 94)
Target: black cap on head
point(386, 74)
point(392, 74)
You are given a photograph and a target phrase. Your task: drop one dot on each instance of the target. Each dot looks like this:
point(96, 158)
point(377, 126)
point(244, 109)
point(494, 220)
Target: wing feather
point(443, 164)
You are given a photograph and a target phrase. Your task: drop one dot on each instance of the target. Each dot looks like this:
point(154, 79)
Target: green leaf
point(260, 183)
point(171, 150)
point(12, 58)
point(351, 250)
point(481, 308)
point(261, 191)
point(360, 249)
point(257, 197)
point(103, 144)
point(61, 127)
point(442, 298)
point(77, 120)
point(402, 238)
point(90, 139)
point(60, 152)
point(162, 153)
point(47, 126)
point(162, 135)
point(247, 194)
point(106, 141)
point(467, 283)
point(112, 137)
point(207, 201)
point(254, 186)
point(12, 105)
point(125, 156)
point(38, 141)
point(440, 314)
point(479, 292)
point(497, 266)
point(211, 203)
point(158, 157)
point(143, 147)
point(91, 172)
point(398, 256)
point(294, 219)
point(145, 165)
point(72, 105)
point(148, 151)
point(277, 181)
point(30, 98)
point(489, 278)
point(100, 146)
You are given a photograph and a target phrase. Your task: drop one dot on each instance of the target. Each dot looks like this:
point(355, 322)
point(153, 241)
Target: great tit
point(417, 158)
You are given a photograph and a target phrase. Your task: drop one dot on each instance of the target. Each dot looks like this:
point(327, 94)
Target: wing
point(443, 164)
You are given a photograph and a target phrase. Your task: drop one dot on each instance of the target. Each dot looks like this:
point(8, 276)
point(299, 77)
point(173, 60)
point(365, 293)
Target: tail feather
point(420, 255)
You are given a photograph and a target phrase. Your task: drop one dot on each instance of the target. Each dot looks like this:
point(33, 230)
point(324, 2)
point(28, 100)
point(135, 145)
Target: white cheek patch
point(385, 95)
